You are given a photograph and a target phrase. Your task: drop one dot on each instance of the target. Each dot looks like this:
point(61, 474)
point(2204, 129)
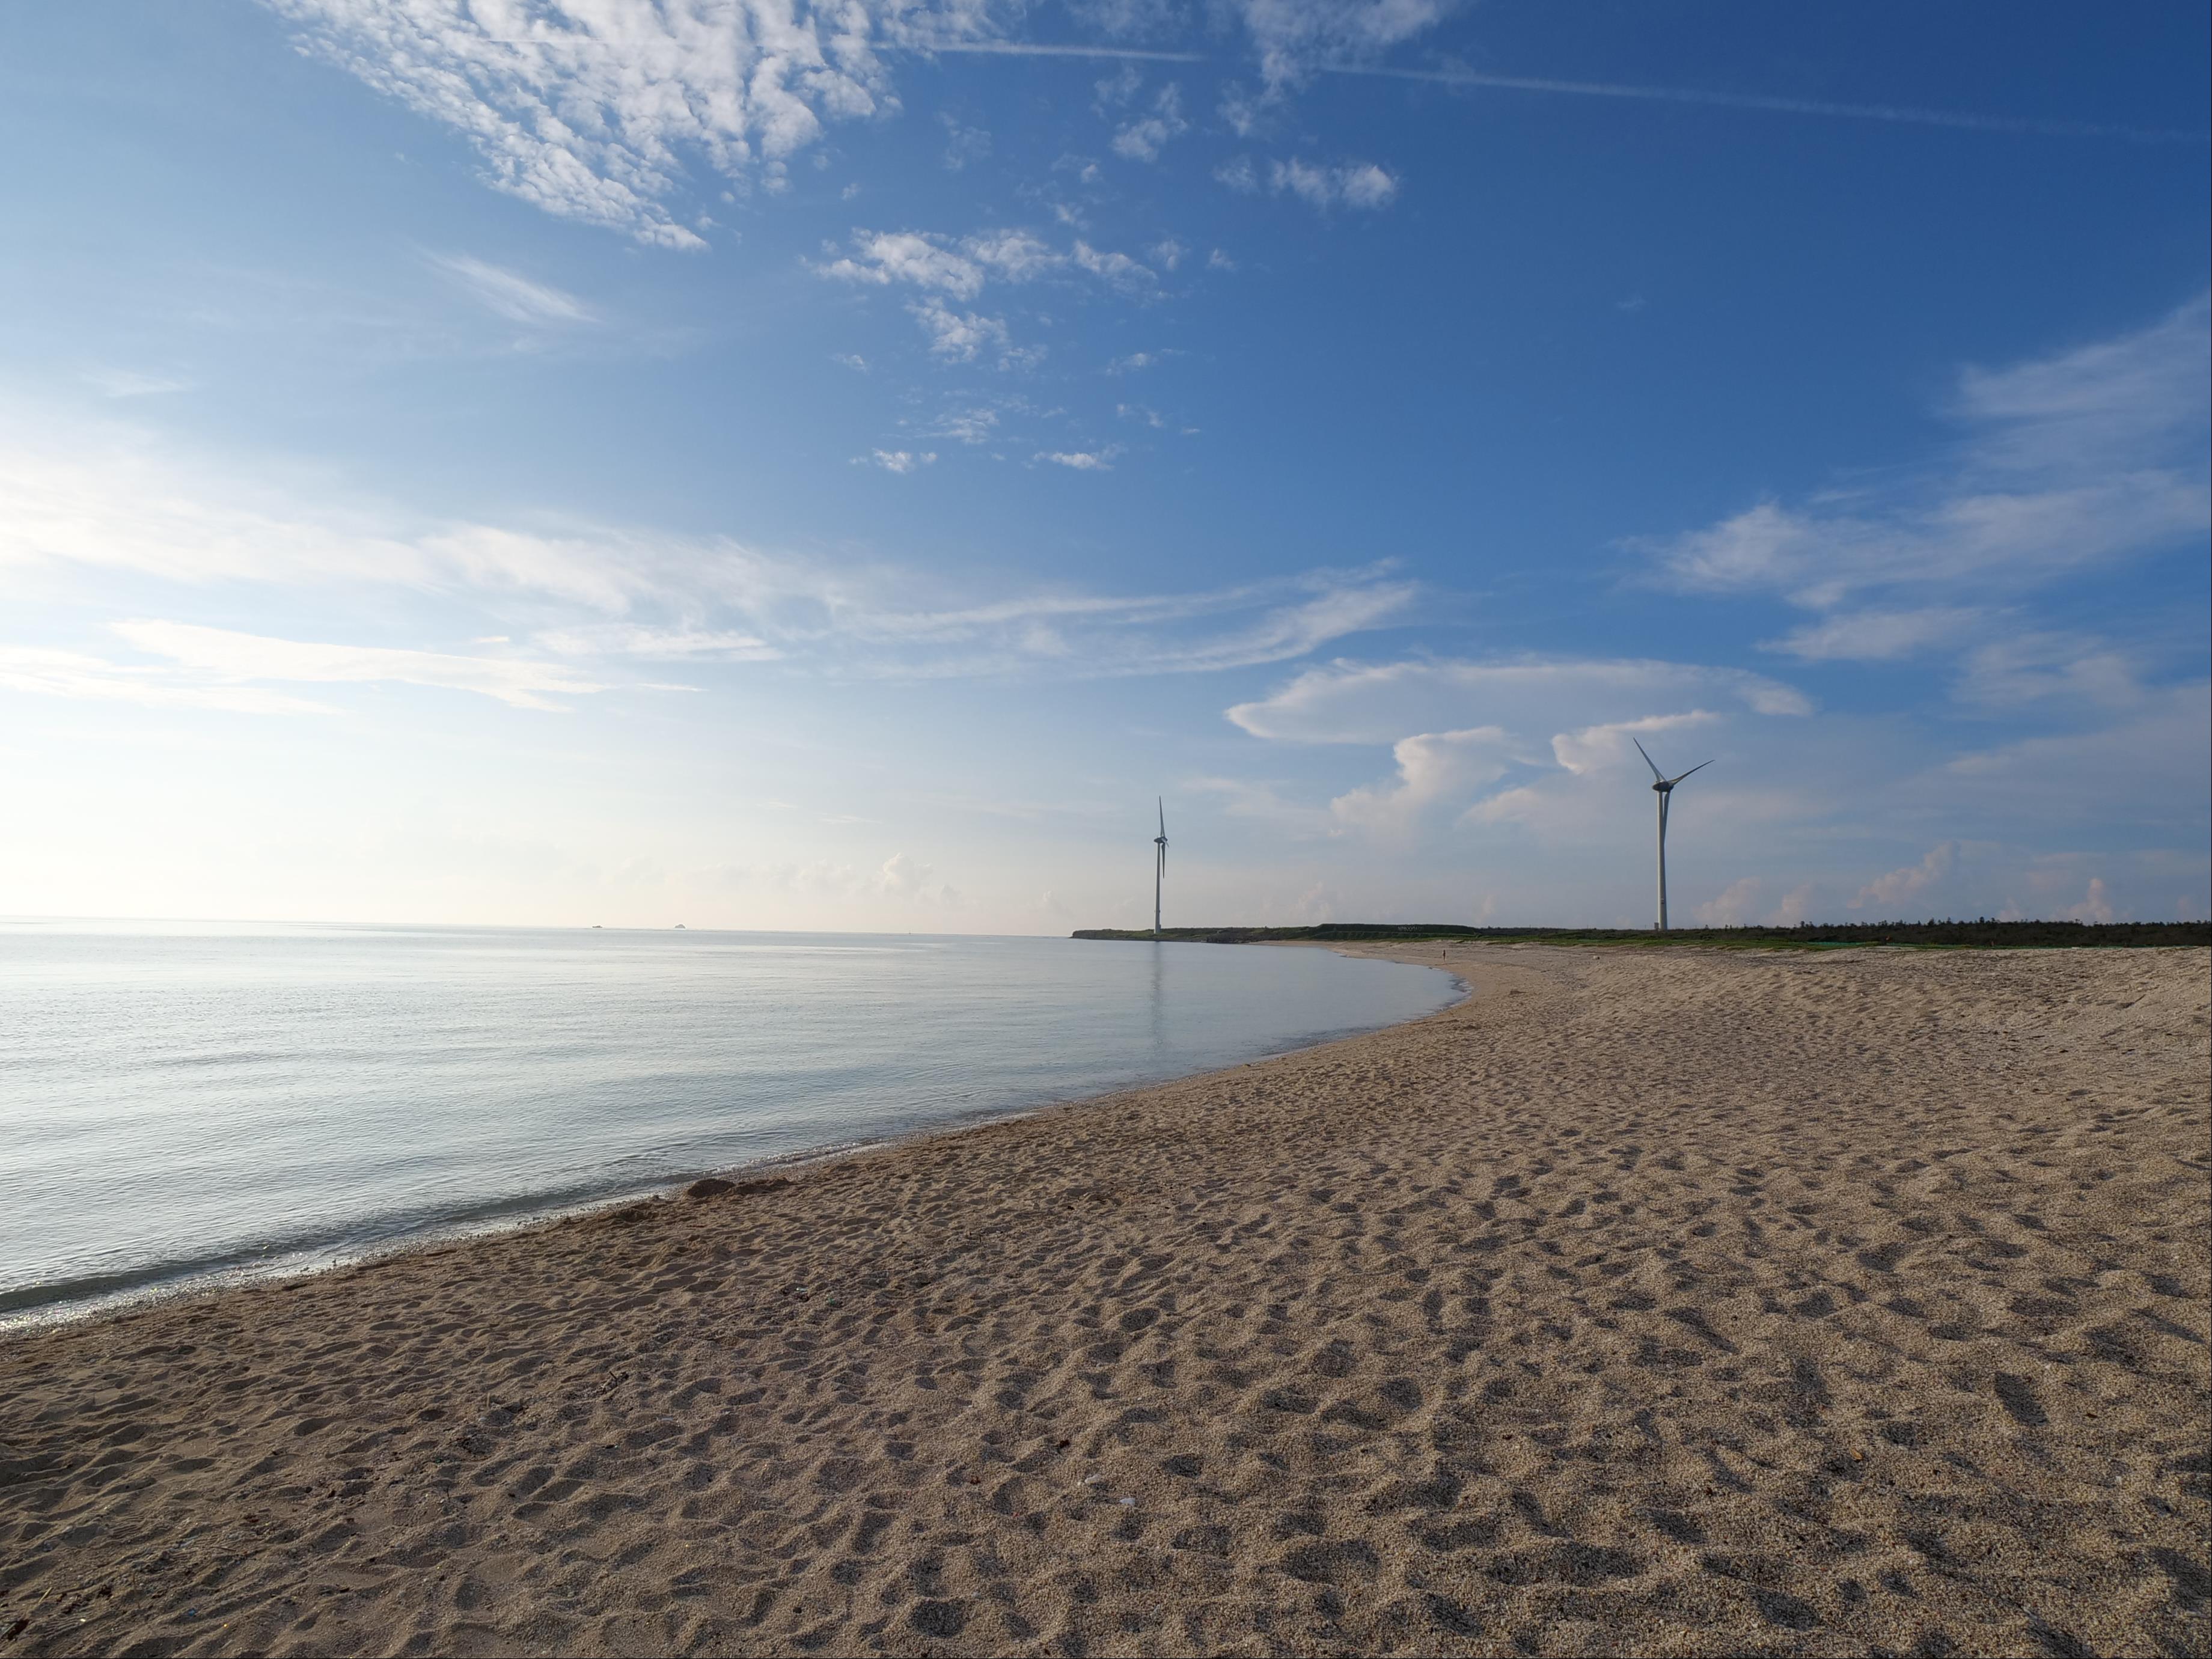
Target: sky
point(770, 465)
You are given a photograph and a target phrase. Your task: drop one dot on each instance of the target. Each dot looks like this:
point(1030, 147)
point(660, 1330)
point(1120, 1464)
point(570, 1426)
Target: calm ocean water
point(178, 1100)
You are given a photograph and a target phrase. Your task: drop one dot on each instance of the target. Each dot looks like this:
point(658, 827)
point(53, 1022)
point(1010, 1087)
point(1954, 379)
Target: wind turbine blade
point(1164, 815)
point(1699, 766)
point(1657, 774)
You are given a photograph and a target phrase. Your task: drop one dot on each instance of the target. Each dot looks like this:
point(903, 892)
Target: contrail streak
point(1023, 49)
point(1901, 114)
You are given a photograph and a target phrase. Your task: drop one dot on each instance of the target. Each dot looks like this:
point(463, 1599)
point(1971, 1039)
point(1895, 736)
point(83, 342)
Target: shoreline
point(1691, 1302)
point(310, 1260)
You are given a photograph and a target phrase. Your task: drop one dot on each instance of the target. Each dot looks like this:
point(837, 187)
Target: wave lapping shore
point(1664, 1301)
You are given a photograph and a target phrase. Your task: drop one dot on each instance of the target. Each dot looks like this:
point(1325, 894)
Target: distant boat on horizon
point(679, 927)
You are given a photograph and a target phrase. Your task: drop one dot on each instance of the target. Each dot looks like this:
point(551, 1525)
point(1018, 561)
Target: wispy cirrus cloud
point(2052, 667)
point(1381, 703)
point(1874, 635)
point(579, 592)
point(511, 295)
point(225, 656)
point(83, 677)
point(224, 669)
point(2062, 463)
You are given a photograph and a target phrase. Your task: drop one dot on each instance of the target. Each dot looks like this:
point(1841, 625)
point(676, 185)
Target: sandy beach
point(1668, 1302)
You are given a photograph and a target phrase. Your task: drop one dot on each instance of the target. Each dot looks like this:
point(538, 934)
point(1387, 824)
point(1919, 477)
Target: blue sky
point(790, 466)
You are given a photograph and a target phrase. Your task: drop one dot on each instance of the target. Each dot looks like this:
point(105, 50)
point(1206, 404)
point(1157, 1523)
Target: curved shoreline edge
point(164, 1282)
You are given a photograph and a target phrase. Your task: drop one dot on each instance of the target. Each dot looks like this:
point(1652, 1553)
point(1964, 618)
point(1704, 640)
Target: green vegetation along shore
point(1983, 934)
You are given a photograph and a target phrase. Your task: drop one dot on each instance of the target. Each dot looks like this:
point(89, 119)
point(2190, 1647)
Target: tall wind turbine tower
point(1159, 867)
point(1664, 787)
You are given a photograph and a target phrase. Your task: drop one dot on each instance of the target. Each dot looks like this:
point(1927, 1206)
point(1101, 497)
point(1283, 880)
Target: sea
point(181, 1102)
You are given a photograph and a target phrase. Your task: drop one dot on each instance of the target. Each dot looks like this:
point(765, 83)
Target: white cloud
point(74, 675)
point(899, 460)
point(1116, 91)
point(1354, 185)
point(961, 270)
point(1015, 255)
point(901, 876)
point(1241, 112)
point(1874, 636)
point(908, 256)
point(2096, 905)
point(1734, 906)
point(968, 426)
point(1892, 893)
point(110, 498)
point(1794, 908)
point(1611, 746)
point(655, 644)
point(1080, 460)
point(513, 296)
point(2051, 667)
point(959, 337)
point(1366, 186)
point(1117, 269)
point(1144, 139)
point(1169, 254)
point(851, 360)
point(2072, 461)
point(1378, 703)
point(1434, 767)
point(1556, 735)
point(1238, 174)
point(596, 112)
point(1295, 37)
point(1218, 260)
point(241, 657)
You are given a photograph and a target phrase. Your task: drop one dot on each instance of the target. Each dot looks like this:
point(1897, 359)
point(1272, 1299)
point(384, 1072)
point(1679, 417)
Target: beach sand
point(1653, 1300)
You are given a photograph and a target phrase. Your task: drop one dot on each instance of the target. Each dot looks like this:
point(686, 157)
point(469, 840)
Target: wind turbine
point(1159, 867)
point(1664, 787)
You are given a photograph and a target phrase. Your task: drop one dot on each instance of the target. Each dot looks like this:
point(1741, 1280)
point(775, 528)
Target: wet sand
point(1648, 1300)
